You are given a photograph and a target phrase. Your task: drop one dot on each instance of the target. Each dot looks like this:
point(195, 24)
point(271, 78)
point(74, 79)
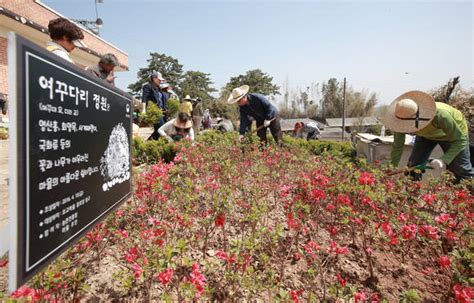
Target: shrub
point(153, 114)
point(319, 147)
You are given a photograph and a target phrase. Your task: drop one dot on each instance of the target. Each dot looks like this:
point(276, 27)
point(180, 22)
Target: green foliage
point(152, 151)
point(410, 296)
point(173, 107)
point(357, 103)
point(153, 114)
point(319, 147)
point(168, 66)
point(258, 81)
point(197, 85)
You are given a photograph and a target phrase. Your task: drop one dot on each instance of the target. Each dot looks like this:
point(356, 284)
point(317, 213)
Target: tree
point(357, 103)
point(168, 66)
point(197, 85)
point(443, 93)
point(258, 81)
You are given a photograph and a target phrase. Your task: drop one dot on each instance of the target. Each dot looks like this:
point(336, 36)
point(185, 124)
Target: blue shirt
point(259, 108)
point(153, 94)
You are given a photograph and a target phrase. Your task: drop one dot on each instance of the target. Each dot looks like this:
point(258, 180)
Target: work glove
point(436, 164)
point(241, 137)
point(266, 123)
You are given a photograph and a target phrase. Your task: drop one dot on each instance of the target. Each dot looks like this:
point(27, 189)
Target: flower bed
point(228, 222)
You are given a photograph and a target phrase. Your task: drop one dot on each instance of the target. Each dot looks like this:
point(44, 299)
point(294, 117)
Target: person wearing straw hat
point(258, 107)
point(186, 105)
point(177, 129)
point(433, 123)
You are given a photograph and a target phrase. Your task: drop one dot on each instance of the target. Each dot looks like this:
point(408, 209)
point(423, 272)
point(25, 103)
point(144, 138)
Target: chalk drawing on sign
point(115, 163)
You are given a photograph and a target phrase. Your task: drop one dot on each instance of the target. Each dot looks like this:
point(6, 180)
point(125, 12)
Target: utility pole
point(343, 109)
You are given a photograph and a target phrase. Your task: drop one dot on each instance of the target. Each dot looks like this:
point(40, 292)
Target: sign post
point(70, 162)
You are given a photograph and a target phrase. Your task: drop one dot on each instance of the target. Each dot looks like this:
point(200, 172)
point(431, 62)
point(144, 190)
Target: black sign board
point(73, 154)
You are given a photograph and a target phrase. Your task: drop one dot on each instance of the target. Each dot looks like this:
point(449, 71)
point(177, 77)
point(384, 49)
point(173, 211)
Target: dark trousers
point(461, 166)
point(275, 129)
point(156, 135)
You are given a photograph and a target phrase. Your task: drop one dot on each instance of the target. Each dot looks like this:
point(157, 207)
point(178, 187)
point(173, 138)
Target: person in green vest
point(433, 123)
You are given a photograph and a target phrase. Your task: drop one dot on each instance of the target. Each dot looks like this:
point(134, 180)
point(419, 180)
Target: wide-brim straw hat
point(182, 124)
point(238, 93)
point(426, 112)
point(187, 98)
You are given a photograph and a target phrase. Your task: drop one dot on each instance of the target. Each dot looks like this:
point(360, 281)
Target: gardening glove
point(241, 137)
point(436, 164)
point(266, 123)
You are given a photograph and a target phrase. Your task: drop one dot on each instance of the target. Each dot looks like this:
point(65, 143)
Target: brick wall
point(39, 14)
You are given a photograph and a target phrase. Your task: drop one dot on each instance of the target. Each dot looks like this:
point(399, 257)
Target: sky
point(382, 47)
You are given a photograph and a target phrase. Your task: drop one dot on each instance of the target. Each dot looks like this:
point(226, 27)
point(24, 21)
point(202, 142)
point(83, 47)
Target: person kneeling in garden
point(178, 128)
point(433, 123)
point(258, 107)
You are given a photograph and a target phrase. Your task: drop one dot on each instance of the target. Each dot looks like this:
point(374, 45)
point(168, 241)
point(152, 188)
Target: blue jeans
point(461, 166)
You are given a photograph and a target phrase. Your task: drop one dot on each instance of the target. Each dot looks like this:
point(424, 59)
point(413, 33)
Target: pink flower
point(221, 255)
point(429, 232)
point(359, 296)
point(444, 262)
point(137, 270)
point(443, 218)
point(197, 278)
point(166, 276)
point(123, 233)
point(25, 292)
point(409, 232)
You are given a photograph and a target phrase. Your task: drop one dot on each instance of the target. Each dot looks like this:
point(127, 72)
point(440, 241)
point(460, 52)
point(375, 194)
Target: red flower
point(463, 294)
point(429, 198)
point(295, 294)
point(3, 263)
point(366, 178)
point(341, 280)
point(166, 276)
point(292, 223)
point(444, 262)
point(317, 194)
point(220, 220)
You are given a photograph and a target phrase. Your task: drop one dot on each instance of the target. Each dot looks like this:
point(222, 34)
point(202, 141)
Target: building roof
point(364, 121)
point(289, 124)
point(32, 20)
